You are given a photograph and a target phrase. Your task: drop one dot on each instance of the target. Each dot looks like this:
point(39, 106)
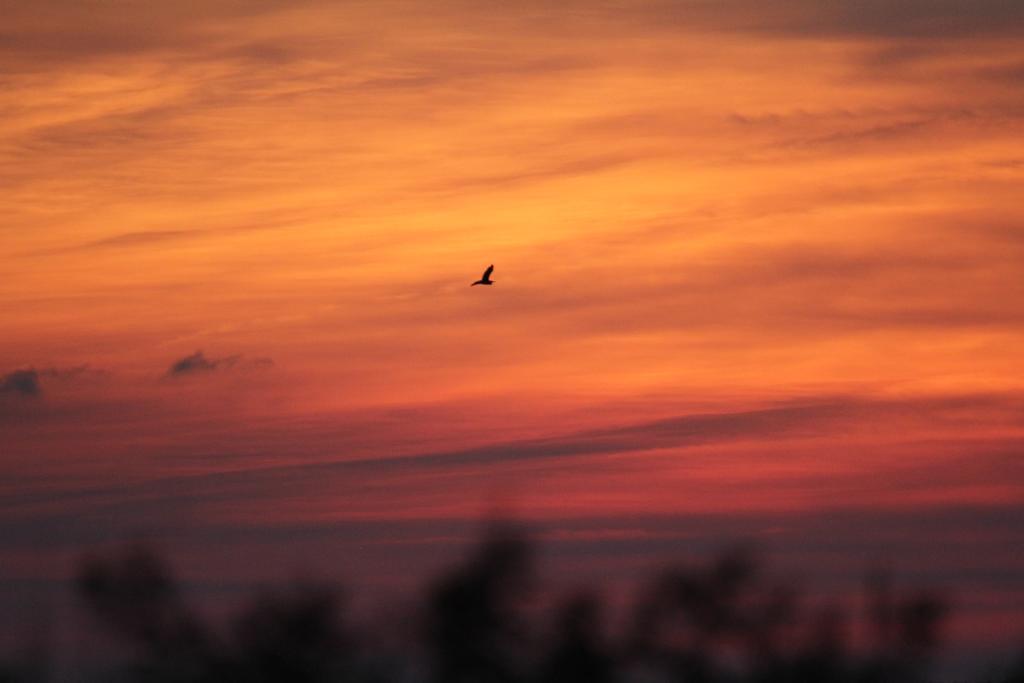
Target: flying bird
point(486, 279)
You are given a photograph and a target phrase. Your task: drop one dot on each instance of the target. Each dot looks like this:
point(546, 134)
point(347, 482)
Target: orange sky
point(748, 261)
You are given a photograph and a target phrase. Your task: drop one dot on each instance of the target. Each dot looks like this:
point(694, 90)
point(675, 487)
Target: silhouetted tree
point(1016, 672)
point(721, 622)
point(905, 632)
point(133, 594)
point(293, 636)
point(580, 654)
point(690, 617)
point(473, 630)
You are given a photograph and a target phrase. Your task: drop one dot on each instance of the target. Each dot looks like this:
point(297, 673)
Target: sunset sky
point(759, 275)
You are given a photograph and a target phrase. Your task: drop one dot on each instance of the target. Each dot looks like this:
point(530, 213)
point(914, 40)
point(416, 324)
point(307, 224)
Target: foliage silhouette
point(726, 621)
point(473, 629)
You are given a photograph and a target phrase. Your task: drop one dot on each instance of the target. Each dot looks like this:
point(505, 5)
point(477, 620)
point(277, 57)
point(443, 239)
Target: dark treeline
point(722, 622)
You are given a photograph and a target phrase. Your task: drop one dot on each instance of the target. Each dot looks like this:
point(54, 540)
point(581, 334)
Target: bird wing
point(487, 273)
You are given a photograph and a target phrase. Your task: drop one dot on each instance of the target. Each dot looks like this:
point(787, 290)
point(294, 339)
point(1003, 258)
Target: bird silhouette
point(486, 279)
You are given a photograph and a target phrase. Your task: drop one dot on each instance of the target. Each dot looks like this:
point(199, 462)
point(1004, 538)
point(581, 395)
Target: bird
point(486, 279)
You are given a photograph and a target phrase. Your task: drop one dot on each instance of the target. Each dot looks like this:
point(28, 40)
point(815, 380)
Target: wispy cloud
point(21, 383)
point(918, 19)
point(814, 420)
point(136, 239)
point(199, 363)
point(29, 381)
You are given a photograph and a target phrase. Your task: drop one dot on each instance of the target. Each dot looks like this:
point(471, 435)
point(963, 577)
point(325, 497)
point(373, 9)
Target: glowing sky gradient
point(759, 274)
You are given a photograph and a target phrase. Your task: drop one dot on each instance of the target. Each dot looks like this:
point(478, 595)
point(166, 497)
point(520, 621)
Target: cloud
point(788, 422)
point(21, 383)
point(28, 381)
point(917, 19)
point(76, 373)
point(58, 31)
point(1010, 73)
point(539, 173)
point(198, 363)
point(132, 239)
